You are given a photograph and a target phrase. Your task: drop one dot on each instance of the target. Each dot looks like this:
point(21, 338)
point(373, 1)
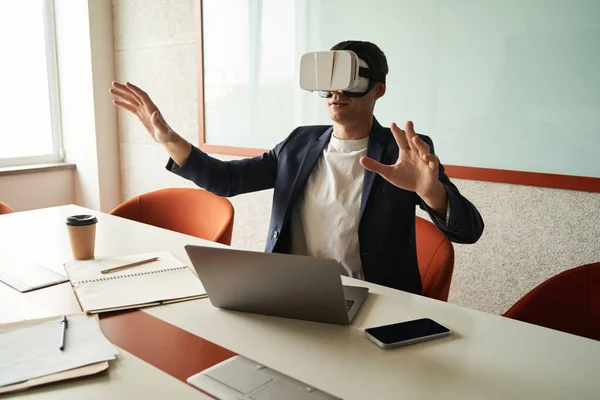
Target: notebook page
point(139, 290)
point(88, 270)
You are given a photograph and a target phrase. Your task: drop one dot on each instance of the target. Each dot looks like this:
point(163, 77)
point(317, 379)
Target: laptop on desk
point(280, 285)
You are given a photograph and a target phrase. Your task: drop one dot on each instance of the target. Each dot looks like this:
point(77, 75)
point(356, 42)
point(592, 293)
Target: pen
point(133, 264)
point(64, 324)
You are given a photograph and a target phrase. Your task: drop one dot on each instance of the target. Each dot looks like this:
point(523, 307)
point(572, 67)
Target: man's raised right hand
point(137, 102)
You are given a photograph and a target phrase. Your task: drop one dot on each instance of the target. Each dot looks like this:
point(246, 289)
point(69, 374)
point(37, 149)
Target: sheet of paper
point(34, 351)
point(25, 275)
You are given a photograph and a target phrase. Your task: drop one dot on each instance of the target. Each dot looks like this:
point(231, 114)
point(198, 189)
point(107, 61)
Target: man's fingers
point(414, 141)
point(421, 146)
point(400, 137)
point(126, 106)
point(122, 88)
point(409, 130)
point(124, 96)
point(375, 166)
point(119, 86)
point(140, 95)
point(432, 161)
point(128, 90)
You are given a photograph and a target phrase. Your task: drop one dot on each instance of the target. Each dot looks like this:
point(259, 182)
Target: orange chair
point(5, 209)
point(568, 302)
point(435, 255)
point(194, 212)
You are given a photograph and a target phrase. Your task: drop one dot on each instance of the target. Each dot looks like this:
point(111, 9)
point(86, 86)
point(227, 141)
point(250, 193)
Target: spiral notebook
point(165, 280)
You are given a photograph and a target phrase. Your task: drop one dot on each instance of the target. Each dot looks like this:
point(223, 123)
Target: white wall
point(38, 189)
point(531, 233)
point(155, 48)
point(84, 37)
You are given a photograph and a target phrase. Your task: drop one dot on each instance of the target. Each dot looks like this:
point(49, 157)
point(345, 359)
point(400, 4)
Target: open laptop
point(281, 285)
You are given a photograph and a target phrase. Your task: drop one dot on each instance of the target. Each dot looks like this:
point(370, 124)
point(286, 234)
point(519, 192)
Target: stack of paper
point(34, 351)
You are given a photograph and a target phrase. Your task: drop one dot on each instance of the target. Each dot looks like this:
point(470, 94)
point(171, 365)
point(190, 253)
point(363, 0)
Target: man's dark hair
point(368, 51)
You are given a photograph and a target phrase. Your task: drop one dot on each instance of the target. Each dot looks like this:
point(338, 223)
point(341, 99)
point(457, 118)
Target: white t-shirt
point(325, 220)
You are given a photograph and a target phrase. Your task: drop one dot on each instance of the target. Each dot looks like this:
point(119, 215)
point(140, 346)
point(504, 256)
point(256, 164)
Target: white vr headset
point(337, 70)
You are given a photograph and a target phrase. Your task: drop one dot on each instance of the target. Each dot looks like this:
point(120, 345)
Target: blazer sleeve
point(229, 178)
point(465, 224)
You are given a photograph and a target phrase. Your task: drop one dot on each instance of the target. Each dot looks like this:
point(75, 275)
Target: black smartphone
point(406, 333)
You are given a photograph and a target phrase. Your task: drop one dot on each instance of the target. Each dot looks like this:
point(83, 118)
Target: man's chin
point(339, 118)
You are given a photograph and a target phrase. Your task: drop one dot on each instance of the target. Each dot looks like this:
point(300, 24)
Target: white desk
point(41, 236)
point(16, 307)
point(488, 356)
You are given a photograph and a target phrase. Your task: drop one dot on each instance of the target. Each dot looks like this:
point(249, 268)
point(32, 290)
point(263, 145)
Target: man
point(346, 191)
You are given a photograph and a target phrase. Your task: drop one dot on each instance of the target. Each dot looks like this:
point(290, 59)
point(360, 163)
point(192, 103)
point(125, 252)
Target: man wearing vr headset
point(345, 191)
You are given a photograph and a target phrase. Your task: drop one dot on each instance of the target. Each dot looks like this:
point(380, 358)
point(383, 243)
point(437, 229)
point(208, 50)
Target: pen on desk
point(64, 325)
point(133, 264)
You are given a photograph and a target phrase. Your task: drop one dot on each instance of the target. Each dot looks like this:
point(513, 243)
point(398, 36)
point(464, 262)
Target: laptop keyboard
point(349, 304)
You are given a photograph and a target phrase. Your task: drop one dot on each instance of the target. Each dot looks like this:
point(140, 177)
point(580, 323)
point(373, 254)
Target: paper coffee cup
point(82, 234)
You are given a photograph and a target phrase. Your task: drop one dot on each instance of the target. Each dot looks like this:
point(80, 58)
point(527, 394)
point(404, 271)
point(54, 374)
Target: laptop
point(281, 285)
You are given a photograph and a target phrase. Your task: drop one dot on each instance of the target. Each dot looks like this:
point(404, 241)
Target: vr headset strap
point(371, 74)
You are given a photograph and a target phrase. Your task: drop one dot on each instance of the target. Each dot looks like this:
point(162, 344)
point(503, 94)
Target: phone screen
point(403, 331)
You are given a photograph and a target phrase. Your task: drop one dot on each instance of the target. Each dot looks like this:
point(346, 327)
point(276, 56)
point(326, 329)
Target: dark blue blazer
point(387, 214)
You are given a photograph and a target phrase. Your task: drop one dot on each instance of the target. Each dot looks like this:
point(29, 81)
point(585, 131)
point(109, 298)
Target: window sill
point(30, 169)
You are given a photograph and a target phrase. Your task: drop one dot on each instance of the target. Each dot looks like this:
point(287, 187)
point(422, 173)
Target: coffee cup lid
point(81, 220)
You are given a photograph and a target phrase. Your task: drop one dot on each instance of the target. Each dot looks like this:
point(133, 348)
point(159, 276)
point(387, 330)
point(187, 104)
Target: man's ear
point(379, 90)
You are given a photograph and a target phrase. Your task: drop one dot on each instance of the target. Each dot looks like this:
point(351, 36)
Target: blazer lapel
point(308, 163)
point(376, 147)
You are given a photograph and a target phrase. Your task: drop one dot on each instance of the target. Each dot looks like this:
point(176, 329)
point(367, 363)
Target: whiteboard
point(506, 84)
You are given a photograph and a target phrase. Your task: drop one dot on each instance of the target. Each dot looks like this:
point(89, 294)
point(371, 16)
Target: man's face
point(347, 110)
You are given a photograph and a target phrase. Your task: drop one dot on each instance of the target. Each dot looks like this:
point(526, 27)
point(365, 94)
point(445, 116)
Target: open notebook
point(166, 280)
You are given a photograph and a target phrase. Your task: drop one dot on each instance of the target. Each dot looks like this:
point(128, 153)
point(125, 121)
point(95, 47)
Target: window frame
point(57, 154)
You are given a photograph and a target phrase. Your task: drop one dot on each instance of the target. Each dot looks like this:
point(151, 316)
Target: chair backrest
point(194, 212)
point(435, 255)
point(568, 302)
point(5, 209)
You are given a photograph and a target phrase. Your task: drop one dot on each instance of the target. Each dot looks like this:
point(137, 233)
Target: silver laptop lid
point(272, 284)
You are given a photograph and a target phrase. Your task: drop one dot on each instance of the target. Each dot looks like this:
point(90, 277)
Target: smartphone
point(406, 333)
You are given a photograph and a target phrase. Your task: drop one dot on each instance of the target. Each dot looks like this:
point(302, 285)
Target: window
point(29, 105)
